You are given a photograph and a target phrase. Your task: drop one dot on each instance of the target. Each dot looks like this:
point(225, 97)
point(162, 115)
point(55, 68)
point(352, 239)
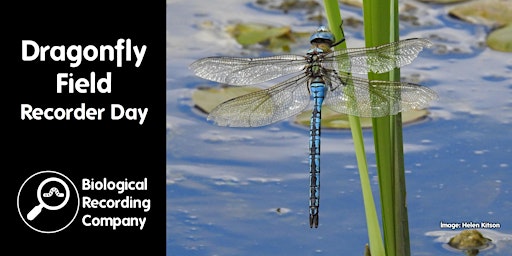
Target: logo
point(48, 202)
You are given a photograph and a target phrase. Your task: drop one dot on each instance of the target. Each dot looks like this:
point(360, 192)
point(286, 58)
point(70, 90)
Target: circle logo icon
point(44, 202)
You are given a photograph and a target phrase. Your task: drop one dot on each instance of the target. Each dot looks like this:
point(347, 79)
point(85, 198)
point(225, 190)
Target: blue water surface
point(244, 191)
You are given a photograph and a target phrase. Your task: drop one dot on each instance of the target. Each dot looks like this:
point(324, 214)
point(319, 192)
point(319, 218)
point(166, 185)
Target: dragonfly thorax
point(315, 57)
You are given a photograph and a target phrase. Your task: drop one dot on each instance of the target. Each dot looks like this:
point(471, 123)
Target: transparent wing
point(264, 107)
point(247, 71)
point(375, 98)
point(378, 59)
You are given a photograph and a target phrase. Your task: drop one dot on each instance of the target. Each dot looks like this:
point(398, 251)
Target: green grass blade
point(381, 27)
point(374, 232)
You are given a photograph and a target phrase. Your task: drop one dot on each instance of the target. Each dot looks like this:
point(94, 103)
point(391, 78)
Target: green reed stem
point(381, 27)
point(372, 222)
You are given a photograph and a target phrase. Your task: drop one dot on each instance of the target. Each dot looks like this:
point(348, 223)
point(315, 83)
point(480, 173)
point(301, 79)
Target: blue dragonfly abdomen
point(317, 88)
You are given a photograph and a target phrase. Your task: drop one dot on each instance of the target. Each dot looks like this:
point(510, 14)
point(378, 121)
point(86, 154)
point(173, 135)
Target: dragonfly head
point(322, 35)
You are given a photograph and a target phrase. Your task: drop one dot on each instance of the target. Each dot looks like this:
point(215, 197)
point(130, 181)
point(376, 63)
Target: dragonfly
point(324, 80)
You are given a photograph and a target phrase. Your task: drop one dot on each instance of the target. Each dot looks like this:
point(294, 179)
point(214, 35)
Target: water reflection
point(222, 182)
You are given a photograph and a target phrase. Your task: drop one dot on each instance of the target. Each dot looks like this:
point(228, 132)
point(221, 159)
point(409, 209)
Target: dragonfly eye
point(322, 35)
point(328, 42)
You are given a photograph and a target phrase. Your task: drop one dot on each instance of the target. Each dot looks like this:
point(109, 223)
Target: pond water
point(244, 191)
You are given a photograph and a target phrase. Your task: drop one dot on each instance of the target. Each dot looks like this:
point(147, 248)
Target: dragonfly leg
point(343, 34)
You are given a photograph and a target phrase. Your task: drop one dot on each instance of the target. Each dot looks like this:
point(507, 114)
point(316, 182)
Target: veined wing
point(264, 107)
point(377, 59)
point(387, 98)
point(247, 71)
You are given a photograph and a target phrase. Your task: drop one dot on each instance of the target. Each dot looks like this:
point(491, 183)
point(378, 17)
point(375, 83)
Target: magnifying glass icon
point(37, 209)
